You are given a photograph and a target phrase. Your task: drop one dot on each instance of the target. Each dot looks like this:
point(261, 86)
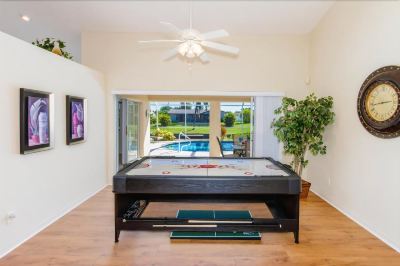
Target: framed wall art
point(76, 119)
point(36, 121)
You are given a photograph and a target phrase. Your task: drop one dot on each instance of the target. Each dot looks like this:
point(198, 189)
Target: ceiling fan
point(192, 44)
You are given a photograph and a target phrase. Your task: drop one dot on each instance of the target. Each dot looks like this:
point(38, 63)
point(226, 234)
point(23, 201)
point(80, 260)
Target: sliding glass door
point(128, 131)
point(132, 130)
point(236, 127)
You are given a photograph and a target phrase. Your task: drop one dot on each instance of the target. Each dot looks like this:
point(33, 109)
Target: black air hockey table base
point(139, 184)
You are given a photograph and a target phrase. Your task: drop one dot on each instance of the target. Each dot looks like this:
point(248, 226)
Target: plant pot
point(305, 187)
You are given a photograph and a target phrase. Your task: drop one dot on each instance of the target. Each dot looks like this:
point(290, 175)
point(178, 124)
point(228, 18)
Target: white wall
point(266, 63)
point(41, 187)
point(272, 63)
point(361, 173)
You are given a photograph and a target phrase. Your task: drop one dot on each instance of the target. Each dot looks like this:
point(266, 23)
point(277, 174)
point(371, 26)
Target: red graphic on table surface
point(209, 166)
point(143, 165)
point(165, 172)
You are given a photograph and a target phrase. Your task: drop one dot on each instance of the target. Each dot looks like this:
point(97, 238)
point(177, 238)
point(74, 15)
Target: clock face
point(378, 102)
point(382, 102)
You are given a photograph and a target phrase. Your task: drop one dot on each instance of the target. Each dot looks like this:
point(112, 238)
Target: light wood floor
point(85, 236)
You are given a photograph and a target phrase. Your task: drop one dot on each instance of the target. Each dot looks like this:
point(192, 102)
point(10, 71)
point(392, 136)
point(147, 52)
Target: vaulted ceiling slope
point(67, 19)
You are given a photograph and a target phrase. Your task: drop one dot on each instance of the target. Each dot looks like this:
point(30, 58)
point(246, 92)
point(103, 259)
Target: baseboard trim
point(393, 246)
point(47, 224)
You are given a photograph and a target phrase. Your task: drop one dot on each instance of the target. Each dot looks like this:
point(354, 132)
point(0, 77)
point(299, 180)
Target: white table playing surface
point(207, 167)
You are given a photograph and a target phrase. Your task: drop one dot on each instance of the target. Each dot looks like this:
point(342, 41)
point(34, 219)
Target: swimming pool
point(197, 146)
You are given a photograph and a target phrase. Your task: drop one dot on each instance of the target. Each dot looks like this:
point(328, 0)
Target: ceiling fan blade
point(221, 47)
point(216, 34)
point(156, 41)
point(171, 27)
point(204, 57)
point(170, 54)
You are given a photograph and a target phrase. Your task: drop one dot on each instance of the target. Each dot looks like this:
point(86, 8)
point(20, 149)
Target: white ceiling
point(67, 19)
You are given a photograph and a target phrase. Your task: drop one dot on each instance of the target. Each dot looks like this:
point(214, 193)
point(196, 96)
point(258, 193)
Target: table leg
point(117, 235)
point(296, 236)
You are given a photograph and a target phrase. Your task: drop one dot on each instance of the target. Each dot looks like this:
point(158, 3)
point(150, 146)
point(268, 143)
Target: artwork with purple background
point(38, 121)
point(77, 120)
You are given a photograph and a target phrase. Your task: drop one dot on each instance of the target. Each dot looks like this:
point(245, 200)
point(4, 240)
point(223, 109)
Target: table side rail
point(173, 224)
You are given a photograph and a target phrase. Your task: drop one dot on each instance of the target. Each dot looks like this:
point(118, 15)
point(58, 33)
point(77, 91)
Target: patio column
point(215, 128)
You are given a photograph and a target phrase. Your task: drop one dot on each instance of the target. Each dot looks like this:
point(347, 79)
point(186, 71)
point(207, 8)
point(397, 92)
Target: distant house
point(192, 115)
point(202, 116)
point(238, 116)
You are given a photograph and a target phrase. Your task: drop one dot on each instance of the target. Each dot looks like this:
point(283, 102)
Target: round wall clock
point(379, 102)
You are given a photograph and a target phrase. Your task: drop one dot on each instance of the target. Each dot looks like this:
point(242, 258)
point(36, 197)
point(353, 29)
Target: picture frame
point(76, 119)
point(36, 121)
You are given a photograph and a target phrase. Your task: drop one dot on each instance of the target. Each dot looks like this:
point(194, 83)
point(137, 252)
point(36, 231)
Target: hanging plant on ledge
point(300, 126)
point(54, 46)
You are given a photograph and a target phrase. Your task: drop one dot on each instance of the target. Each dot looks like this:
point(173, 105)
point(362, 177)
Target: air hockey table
point(207, 179)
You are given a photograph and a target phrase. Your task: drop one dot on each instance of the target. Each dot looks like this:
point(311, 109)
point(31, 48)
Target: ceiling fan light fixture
point(197, 49)
point(190, 54)
point(183, 48)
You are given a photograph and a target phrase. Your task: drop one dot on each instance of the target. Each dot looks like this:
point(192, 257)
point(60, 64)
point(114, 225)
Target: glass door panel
point(132, 130)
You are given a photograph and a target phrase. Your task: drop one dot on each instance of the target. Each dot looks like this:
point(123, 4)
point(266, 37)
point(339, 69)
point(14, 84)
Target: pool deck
point(157, 150)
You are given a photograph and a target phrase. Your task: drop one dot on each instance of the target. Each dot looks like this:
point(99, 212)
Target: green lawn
point(176, 129)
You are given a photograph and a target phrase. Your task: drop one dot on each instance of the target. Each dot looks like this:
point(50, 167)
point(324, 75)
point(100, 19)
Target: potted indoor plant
point(300, 126)
point(54, 46)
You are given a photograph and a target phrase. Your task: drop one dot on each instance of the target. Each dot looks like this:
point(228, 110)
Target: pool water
point(197, 146)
